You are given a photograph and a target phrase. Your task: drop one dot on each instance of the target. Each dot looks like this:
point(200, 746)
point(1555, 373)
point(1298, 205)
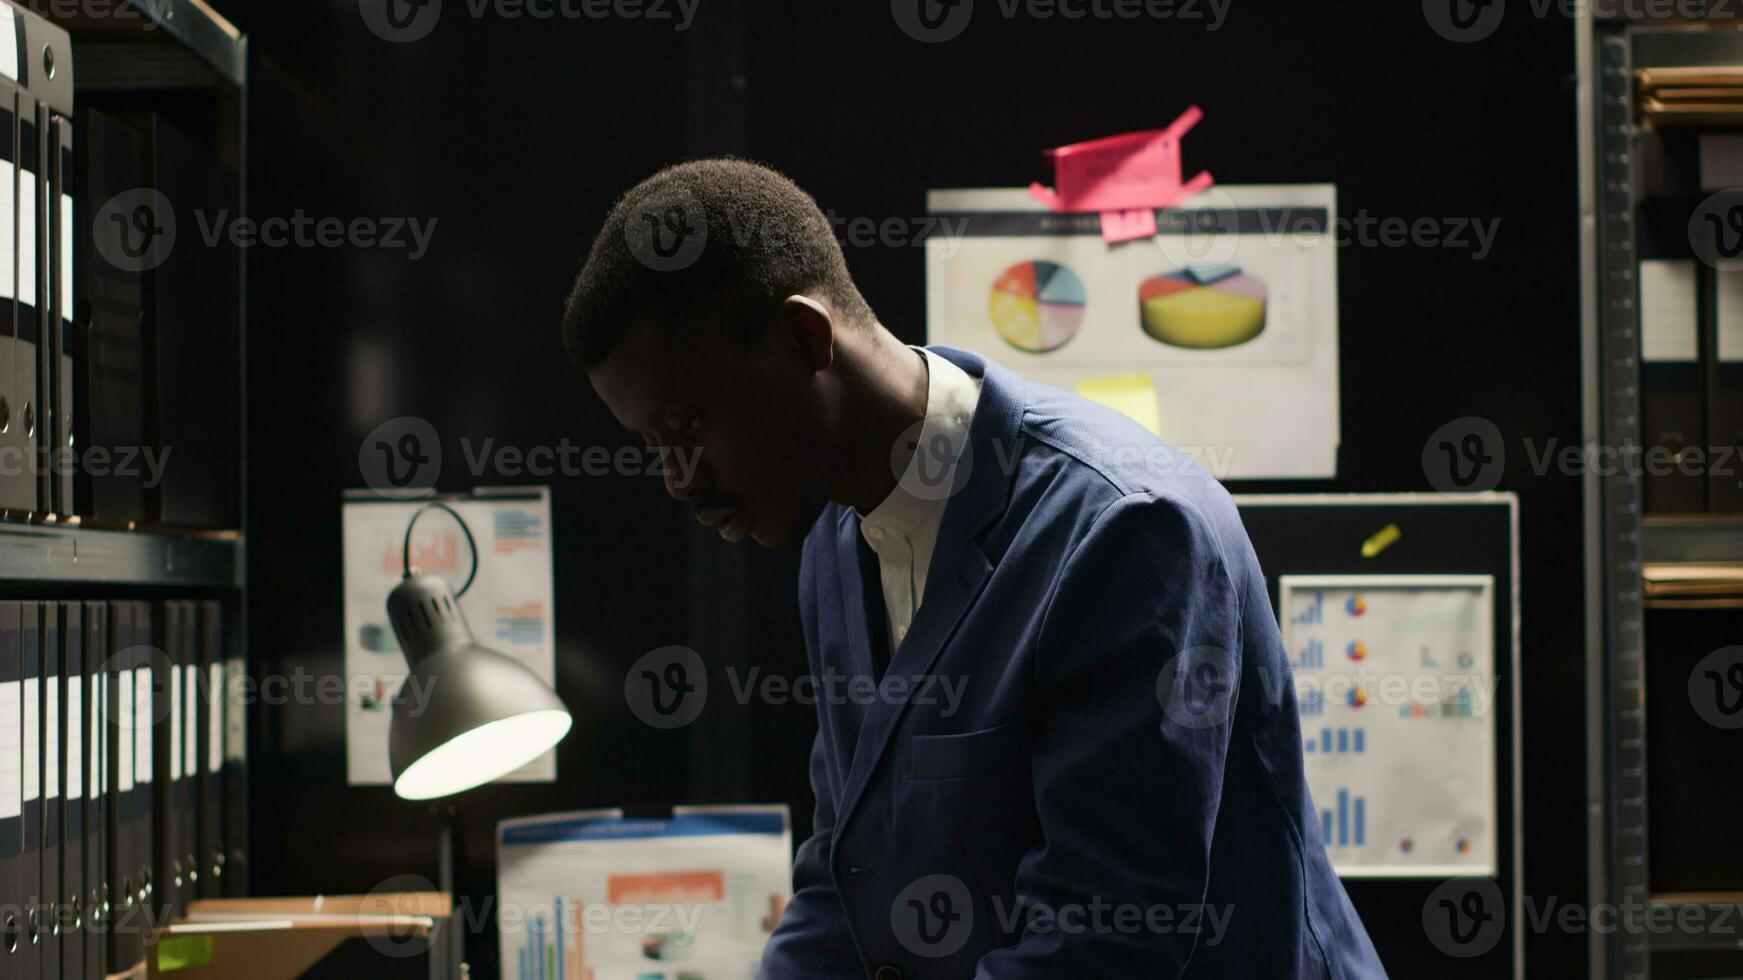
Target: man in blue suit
point(1066, 744)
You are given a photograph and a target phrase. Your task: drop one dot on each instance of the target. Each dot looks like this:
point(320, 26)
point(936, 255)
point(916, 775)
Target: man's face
point(741, 431)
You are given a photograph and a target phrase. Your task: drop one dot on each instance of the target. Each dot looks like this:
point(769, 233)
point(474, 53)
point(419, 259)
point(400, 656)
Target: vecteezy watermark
point(1208, 232)
point(936, 21)
point(1470, 454)
point(837, 688)
point(136, 231)
point(1716, 230)
point(401, 457)
point(569, 459)
point(146, 463)
point(1100, 917)
point(1464, 455)
point(1466, 917)
point(145, 14)
point(404, 21)
point(668, 688)
point(934, 916)
point(669, 230)
point(1198, 688)
point(1468, 21)
point(1716, 688)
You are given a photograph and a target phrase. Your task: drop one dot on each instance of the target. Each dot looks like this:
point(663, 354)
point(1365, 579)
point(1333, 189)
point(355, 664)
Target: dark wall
point(516, 135)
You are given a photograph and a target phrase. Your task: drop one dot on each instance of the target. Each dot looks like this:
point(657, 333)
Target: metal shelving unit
point(1620, 540)
point(163, 45)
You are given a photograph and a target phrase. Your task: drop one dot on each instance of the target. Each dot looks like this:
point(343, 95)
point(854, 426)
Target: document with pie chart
point(1228, 315)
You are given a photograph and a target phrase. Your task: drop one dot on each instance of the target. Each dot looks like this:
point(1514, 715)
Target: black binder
point(146, 676)
point(50, 875)
point(166, 758)
point(188, 803)
point(65, 344)
point(192, 322)
point(11, 793)
point(51, 789)
point(31, 336)
point(46, 76)
point(235, 774)
point(72, 740)
point(109, 410)
point(98, 914)
point(17, 489)
point(126, 921)
point(1724, 377)
point(30, 877)
point(210, 784)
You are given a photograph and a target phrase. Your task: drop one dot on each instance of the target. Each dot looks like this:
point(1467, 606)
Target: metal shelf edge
point(58, 555)
point(202, 30)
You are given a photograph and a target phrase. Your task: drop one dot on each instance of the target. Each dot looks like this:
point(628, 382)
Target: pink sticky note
point(1124, 226)
point(1122, 173)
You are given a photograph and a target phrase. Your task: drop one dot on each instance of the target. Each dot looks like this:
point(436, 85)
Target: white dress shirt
point(903, 530)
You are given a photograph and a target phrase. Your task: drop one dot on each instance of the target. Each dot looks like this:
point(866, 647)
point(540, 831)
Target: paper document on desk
point(593, 895)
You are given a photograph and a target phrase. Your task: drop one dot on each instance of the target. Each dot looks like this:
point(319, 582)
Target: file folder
point(30, 877)
point(97, 798)
point(50, 874)
point(72, 882)
point(188, 803)
point(30, 328)
point(66, 344)
point(193, 314)
point(167, 758)
point(11, 788)
point(211, 752)
point(1671, 298)
point(125, 946)
point(1725, 397)
point(145, 678)
point(54, 91)
point(109, 410)
point(17, 489)
point(235, 773)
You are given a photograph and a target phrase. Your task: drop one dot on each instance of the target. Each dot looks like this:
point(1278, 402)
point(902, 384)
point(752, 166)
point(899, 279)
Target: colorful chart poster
point(509, 605)
point(593, 895)
point(1397, 685)
point(1229, 313)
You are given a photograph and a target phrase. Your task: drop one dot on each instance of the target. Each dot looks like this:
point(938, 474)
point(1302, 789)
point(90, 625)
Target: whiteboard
point(1398, 690)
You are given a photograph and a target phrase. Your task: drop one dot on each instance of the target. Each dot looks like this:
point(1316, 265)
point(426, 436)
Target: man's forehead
point(644, 376)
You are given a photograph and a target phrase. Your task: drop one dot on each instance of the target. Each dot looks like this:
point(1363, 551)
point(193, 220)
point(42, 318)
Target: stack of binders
point(37, 340)
point(119, 778)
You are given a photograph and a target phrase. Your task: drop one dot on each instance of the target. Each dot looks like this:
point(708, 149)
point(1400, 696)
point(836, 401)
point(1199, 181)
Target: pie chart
point(1037, 306)
point(1202, 309)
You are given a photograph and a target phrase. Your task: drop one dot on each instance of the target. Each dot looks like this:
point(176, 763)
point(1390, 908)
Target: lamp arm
point(471, 545)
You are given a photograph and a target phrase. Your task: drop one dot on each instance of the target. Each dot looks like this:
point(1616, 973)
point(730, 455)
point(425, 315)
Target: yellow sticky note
point(1131, 394)
point(181, 952)
point(1381, 540)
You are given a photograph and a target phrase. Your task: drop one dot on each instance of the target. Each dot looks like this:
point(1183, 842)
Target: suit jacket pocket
point(956, 756)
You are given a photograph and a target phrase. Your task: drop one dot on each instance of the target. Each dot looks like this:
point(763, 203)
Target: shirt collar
point(951, 394)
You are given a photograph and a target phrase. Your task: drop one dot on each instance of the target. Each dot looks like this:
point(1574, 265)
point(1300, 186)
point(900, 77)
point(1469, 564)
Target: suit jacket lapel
point(959, 566)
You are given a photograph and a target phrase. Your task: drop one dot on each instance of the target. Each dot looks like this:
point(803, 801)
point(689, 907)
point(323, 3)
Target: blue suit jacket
point(1084, 759)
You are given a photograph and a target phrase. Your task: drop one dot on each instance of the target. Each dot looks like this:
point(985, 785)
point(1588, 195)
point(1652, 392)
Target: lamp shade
point(466, 713)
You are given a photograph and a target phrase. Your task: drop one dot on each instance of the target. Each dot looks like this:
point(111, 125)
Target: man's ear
point(809, 328)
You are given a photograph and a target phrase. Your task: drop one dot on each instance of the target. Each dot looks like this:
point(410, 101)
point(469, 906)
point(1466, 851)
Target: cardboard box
point(271, 938)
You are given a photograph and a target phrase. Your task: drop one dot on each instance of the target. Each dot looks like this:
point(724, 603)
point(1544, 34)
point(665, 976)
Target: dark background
point(518, 134)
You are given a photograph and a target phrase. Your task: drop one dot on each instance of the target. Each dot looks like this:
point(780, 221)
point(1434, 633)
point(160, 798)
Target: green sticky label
point(181, 952)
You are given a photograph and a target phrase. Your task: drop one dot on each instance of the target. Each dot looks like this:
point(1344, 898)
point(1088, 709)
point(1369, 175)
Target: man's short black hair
point(725, 234)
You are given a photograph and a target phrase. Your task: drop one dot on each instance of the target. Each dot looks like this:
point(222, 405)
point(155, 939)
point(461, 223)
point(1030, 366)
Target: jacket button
point(888, 973)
